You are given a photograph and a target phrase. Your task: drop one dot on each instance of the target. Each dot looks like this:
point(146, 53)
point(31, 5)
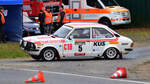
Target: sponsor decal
point(67, 46)
point(124, 43)
point(99, 44)
point(44, 37)
point(96, 49)
point(96, 40)
point(114, 42)
point(79, 54)
point(60, 46)
point(39, 45)
point(50, 41)
point(79, 43)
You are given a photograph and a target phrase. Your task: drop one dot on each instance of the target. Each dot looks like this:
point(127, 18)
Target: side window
point(83, 33)
point(55, 9)
point(93, 3)
point(65, 2)
point(101, 33)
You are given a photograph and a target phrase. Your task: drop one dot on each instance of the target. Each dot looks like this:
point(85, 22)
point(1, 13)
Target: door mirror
point(70, 37)
point(116, 35)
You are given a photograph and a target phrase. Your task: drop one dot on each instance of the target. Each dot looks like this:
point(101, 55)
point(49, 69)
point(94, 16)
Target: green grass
point(136, 34)
point(11, 50)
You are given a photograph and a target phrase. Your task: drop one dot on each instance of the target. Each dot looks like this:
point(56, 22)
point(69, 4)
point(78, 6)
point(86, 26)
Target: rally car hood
point(125, 39)
point(117, 9)
point(41, 38)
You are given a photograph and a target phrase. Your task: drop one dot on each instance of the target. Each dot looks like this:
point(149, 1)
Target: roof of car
point(76, 25)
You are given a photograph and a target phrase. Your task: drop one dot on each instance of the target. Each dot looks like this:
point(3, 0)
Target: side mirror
point(70, 37)
point(116, 35)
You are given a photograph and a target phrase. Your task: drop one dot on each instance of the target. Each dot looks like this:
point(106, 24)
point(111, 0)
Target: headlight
point(125, 14)
point(36, 28)
point(116, 13)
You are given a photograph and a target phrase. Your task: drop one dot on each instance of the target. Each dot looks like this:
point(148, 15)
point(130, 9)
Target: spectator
point(2, 22)
point(42, 20)
point(48, 21)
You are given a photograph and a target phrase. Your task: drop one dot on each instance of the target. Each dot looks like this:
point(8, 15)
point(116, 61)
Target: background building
point(140, 11)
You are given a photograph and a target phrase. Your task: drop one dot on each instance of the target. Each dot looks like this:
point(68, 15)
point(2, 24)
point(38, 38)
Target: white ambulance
point(77, 40)
point(107, 12)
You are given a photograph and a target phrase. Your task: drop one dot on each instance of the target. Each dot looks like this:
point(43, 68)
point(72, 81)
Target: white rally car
point(76, 40)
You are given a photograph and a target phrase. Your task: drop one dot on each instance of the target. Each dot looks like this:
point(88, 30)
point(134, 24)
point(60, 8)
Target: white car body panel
point(78, 47)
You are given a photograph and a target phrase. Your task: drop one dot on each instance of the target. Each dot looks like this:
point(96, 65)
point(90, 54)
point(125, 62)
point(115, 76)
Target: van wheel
point(106, 22)
point(48, 54)
point(111, 53)
point(36, 57)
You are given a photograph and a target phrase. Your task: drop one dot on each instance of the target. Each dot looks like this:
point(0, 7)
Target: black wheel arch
point(105, 19)
point(57, 53)
point(119, 53)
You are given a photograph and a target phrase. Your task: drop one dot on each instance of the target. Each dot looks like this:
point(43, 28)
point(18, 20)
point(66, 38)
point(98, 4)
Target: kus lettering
point(99, 44)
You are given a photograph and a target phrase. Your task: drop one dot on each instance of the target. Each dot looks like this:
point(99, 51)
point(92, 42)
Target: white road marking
point(70, 74)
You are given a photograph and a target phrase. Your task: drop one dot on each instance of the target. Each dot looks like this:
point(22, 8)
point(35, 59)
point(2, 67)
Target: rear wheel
point(111, 53)
point(48, 54)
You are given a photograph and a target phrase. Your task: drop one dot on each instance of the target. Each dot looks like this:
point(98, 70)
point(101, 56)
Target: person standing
point(61, 16)
point(48, 21)
point(2, 22)
point(41, 17)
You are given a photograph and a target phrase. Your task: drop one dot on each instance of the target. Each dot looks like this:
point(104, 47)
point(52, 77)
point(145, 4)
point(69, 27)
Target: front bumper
point(29, 47)
point(127, 50)
point(122, 21)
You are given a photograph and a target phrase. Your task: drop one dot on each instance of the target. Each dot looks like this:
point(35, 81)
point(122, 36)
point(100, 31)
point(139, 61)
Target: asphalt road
point(18, 76)
point(85, 71)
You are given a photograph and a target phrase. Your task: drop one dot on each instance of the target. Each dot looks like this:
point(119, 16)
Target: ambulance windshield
point(109, 2)
point(62, 32)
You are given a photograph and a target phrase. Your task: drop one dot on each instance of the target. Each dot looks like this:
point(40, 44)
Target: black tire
point(48, 54)
point(111, 53)
point(36, 57)
point(106, 22)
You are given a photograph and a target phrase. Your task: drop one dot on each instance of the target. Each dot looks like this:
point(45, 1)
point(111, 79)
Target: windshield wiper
point(54, 36)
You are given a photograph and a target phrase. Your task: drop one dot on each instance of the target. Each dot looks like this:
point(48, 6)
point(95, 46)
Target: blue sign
point(11, 2)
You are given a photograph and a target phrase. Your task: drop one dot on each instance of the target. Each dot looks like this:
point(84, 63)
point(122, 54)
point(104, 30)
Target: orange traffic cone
point(120, 73)
point(37, 78)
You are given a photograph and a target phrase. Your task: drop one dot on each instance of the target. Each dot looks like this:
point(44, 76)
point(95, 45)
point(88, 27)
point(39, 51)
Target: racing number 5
point(80, 48)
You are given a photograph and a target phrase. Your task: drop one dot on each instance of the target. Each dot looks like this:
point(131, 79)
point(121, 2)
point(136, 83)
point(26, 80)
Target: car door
point(78, 43)
point(76, 6)
point(100, 39)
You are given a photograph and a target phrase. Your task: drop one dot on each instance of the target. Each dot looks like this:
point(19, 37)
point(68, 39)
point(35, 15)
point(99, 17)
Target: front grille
point(29, 46)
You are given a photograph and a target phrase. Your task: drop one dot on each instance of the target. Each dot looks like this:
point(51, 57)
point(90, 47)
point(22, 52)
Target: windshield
point(109, 2)
point(62, 32)
point(26, 19)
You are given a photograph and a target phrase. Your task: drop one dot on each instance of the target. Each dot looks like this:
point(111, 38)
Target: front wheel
point(48, 54)
point(111, 53)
